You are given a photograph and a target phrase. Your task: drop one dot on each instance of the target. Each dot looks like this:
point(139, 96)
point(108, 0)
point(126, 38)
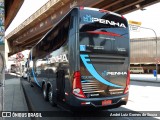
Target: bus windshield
point(105, 33)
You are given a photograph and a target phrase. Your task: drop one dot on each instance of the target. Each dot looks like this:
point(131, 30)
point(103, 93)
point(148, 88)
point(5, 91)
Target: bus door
point(60, 85)
point(41, 70)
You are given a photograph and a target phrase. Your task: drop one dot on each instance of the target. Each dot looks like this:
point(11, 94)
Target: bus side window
point(58, 36)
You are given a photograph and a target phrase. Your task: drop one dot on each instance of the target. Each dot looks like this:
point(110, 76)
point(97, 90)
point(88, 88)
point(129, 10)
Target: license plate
point(106, 102)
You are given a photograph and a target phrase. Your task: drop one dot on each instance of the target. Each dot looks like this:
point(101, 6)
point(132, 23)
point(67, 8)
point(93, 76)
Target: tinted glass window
point(103, 32)
point(98, 21)
point(55, 38)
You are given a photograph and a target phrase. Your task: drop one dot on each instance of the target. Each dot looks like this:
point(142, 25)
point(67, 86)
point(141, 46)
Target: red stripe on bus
point(104, 33)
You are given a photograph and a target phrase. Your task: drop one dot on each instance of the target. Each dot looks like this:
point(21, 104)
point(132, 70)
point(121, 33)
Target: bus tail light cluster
point(81, 8)
point(123, 17)
point(102, 10)
point(127, 82)
point(77, 87)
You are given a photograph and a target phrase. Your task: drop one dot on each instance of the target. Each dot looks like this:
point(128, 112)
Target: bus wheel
point(45, 94)
point(50, 96)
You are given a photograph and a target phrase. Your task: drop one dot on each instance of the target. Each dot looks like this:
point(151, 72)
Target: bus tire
point(45, 93)
point(51, 97)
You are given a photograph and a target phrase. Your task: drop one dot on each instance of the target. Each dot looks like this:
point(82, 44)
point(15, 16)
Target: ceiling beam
point(11, 11)
point(126, 6)
point(111, 4)
point(98, 1)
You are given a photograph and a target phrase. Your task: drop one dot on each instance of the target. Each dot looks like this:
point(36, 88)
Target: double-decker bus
point(83, 61)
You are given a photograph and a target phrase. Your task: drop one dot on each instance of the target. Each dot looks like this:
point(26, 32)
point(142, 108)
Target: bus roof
point(79, 8)
point(100, 10)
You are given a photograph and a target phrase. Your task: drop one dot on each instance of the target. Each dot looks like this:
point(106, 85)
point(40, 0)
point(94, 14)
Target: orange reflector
point(83, 103)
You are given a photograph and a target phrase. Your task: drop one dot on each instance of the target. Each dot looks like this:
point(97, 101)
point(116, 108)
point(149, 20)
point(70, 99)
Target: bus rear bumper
point(98, 103)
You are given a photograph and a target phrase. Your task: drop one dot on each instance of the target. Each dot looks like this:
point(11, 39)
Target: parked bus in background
point(83, 61)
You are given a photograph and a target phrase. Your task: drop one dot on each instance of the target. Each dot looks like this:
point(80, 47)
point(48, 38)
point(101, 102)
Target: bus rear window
point(102, 32)
point(101, 21)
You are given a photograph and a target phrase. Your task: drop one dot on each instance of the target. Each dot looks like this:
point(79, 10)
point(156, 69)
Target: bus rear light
point(123, 17)
point(81, 8)
point(77, 87)
point(79, 93)
point(101, 10)
point(127, 82)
